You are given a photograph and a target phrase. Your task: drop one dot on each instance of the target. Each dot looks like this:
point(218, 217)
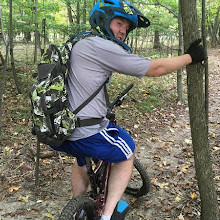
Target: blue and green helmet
point(105, 10)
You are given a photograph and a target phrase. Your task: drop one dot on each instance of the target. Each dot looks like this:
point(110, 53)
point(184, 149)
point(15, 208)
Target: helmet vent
point(108, 2)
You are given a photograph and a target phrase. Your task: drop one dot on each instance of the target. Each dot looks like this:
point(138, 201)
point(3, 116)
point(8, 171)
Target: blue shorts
point(113, 145)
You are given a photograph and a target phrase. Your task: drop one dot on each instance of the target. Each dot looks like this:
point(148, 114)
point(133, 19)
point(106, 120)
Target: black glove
point(197, 51)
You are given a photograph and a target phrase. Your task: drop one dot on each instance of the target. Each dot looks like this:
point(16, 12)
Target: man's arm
point(163, 66)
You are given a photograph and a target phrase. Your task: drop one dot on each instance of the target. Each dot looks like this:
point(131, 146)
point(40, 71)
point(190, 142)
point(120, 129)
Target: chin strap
point(121, 43)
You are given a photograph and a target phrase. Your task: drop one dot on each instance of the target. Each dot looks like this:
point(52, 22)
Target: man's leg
point(80, 180)
point(118, 181)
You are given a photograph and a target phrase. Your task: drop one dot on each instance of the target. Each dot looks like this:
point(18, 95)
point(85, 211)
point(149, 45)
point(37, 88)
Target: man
point(93, 60)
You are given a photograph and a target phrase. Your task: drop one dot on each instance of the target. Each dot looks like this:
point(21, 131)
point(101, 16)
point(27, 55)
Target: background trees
point(66, 18)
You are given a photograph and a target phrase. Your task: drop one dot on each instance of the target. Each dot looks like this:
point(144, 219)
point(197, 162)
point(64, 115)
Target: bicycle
point(93, 203)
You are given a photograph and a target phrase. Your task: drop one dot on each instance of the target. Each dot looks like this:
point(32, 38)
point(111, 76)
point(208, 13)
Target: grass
point(147, 95)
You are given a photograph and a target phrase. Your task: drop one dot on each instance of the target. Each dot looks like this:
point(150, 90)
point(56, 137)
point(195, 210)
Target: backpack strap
point(106, 96)
point(90, 98)
point(91, 121)
point(88, 122)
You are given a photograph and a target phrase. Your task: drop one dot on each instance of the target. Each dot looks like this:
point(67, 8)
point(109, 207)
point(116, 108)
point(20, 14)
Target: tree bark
point(78, 16)
point(156, 40)
point(2, 31)
point(43, 36)
point(180, 52)
point(199, 131)
point(3, 76)
point(2, 86)
point(70, 16)
point(204, 35)
point(214, 39)
point(36, 33)
point(84, 14)
point(18, 86)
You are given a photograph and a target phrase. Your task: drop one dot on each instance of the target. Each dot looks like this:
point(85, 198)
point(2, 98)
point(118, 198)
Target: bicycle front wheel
point(139, 184)
point(81, 208)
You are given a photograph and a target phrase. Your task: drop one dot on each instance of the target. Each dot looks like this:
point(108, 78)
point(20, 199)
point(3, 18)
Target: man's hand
point(197, 52)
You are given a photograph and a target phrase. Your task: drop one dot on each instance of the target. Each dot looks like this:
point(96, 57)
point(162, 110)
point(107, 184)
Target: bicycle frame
point(100, 174)
point(99, 183)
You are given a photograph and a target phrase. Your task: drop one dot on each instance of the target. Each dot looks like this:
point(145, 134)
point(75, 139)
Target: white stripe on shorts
point(120, 143)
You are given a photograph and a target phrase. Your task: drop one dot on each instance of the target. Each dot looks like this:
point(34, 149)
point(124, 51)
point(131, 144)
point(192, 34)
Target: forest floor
point(164, 147)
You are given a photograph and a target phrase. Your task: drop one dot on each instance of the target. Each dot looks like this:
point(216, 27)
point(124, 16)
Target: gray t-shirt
point(93, 60)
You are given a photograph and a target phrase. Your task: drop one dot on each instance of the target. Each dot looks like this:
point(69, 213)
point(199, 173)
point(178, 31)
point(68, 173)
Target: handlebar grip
point(120, 96)
point(126, 90)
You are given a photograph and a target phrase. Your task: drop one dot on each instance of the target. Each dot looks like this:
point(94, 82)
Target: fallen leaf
point(7, 149)
point(13, 188)
point(141, 215)
point(39, 201)
point(24, 198)
point(133, 200)
point(136, 126)
point(185, 167)
point(167, 208)
point(164, 185)
point(154, 181)
point(172, 130)
point(165, 163)
point(147, 204)
point(164, 146)
point(154, 139)
point(187, 141)
point(214, 149)
point(177, 199)
point(49, 215)
point(46, 197)
point(54, 175)
point(193, 195)
point(180, 217)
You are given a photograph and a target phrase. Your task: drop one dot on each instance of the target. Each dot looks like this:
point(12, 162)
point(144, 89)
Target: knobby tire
point(145, 187)
point(74, 207)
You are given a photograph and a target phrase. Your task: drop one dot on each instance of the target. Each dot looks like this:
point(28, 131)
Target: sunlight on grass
point(147, 93)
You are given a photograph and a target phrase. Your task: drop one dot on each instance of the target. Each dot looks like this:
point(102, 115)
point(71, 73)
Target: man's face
point(119, 27)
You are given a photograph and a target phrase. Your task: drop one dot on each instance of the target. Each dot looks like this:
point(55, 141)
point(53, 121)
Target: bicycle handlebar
point(119, 99)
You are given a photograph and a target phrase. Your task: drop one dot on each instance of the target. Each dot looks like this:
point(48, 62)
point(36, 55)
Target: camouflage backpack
point(52, 120)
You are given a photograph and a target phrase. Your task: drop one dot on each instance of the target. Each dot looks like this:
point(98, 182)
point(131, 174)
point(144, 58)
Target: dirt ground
point(164, 148)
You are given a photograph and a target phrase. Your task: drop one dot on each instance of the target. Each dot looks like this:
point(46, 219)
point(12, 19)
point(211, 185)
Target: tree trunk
point(2, 31)
point(204, 35)
point(84, 14)
point(43, 36)
point(199, 132)
point(3, 85)
point(156, 40)
point(2, 59)
point(214, 39)
point(27, 37)
point(70, 16)
point(180, 52)
point(136, 41)
point(12, 52)
point(36, 33)
point(4, 63)
point(78, 16)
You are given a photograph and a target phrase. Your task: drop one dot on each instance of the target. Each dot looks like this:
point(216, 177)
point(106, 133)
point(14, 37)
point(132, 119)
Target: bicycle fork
point(99, 184)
